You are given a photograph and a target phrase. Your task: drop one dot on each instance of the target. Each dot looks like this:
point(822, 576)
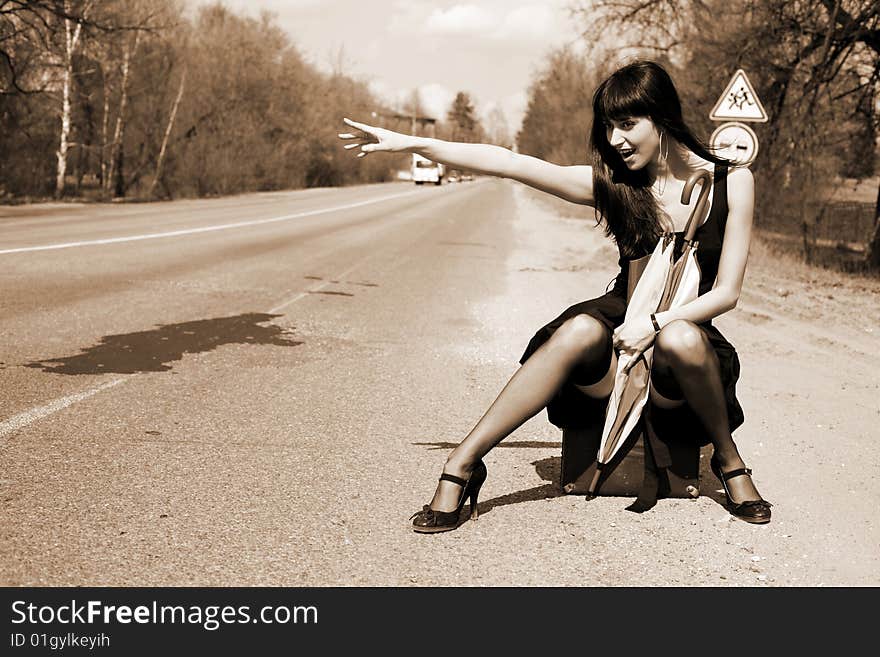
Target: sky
point(489, 48)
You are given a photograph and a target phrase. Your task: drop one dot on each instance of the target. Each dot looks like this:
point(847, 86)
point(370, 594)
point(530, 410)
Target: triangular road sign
point(739, 102)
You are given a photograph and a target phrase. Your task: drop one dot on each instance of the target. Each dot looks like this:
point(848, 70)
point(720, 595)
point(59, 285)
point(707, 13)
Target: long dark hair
point(623, 197)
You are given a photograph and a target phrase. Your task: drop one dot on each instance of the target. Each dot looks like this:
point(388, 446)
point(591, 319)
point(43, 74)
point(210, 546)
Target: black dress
point(572, 408)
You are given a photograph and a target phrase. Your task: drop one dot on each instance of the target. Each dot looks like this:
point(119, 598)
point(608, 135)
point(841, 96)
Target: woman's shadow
point(550, 471)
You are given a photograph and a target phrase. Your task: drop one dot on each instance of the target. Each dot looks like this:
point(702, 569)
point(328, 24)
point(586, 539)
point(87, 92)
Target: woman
point(642, 155)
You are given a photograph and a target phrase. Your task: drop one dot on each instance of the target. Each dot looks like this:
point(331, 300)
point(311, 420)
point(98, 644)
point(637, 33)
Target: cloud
point(436, 99)
point(459, 20)
point(499, 22)
point(530, 22)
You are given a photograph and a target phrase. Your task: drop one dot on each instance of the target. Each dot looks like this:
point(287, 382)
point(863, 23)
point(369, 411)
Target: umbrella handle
point(701, 175)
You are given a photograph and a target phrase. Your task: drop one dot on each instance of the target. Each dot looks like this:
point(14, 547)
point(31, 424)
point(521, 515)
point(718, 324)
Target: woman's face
point(636, 139)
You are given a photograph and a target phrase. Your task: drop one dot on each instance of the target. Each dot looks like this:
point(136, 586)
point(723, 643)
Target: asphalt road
point(260, 390)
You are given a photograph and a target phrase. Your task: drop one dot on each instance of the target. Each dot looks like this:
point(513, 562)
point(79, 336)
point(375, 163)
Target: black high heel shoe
point(754, 511)
point(429, 521)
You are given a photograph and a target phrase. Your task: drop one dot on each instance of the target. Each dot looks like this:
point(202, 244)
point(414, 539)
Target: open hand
point(370, 138)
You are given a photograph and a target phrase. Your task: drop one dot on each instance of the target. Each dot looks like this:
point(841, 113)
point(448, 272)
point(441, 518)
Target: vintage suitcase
point(634, 471)
point(648, 465)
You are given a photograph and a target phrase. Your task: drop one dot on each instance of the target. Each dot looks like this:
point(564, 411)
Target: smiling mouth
point(626, 152)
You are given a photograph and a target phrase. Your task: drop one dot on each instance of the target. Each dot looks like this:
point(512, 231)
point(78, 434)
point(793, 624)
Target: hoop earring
point(663, 157)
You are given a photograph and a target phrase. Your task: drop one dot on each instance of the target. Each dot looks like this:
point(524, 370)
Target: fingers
point(634, 358)
point(366, 145)
point(365, 148)
point(367, 140)
point(363, 137)
point(361, 126)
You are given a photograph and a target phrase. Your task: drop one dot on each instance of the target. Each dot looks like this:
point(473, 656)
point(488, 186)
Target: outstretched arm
point(572, 183)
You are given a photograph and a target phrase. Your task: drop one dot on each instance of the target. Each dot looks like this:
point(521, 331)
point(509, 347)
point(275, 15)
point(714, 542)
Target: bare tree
point(559, 113)
point(112, 103)
point(72, 35)
point(115, 177)
point(168, 128)
point(497, 127)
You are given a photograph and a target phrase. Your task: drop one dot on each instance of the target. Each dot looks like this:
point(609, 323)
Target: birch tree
point(168, 128)
point(115, 181)
point(72, 35)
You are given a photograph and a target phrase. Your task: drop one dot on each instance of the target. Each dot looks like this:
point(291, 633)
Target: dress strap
point(719, 196)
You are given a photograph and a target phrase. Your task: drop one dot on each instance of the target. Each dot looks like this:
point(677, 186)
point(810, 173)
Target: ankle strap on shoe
point(454, 479)
point(735, 473)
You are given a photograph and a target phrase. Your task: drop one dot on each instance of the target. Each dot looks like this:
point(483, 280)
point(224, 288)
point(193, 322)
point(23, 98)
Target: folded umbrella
point(661, 285)
point(684, 275)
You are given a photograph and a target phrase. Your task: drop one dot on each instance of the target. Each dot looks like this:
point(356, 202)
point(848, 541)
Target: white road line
point(27, 417)
point(23, 419)
point(205, 229)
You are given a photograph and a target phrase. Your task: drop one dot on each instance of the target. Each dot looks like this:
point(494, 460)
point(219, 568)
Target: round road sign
point(735, 141)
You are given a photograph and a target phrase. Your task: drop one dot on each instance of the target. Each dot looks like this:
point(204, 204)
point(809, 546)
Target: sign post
point(738, 103)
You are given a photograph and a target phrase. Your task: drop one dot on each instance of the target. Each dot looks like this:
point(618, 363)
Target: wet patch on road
point(341, 294)
point(153, 350)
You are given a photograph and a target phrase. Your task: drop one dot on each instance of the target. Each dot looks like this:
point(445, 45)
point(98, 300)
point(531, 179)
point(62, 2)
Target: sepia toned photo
point(465, 293)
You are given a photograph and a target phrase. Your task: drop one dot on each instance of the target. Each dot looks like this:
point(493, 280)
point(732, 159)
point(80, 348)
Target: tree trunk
point(873, 253)
point(105, 124)
point(71, 38)
point(161, 160)
point(115, 178)
point(65, 131)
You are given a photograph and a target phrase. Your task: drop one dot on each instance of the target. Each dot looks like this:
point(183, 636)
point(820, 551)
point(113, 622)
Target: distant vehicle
point(424, 170)
point(467, 176)
point(453, 176)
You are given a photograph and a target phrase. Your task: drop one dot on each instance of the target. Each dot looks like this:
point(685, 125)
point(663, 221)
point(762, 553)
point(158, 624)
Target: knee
point(582, 333)
point(681, 342)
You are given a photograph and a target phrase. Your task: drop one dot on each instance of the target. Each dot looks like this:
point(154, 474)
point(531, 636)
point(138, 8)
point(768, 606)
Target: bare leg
point(579, 348)
point(686, 366)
